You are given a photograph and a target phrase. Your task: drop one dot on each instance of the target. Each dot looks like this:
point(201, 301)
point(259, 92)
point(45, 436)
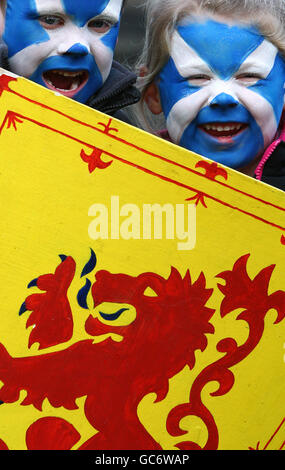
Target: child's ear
point(152, 98)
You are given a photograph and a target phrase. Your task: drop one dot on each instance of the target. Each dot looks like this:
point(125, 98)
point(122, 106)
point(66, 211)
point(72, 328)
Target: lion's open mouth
point(100, 332)
point(110, 318)
point(65, 82)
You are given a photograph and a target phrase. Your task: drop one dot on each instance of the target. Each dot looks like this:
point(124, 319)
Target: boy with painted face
point(218, 76)
point(68, 46)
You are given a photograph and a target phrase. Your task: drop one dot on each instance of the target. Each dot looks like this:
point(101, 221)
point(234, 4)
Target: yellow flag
point(142, 288)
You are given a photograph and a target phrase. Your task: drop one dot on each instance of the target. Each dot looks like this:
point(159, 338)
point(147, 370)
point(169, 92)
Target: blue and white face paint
point(64, 45)
point(222, 91)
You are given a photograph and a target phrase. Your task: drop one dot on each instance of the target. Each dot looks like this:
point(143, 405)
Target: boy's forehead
point(224, 47)
point(81, 10)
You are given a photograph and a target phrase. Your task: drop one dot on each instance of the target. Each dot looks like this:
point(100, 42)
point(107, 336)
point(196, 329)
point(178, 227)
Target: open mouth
point(223, 130)
point(100, 332)
point(66, 82)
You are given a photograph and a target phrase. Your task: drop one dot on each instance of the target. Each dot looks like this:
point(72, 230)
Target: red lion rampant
point(158, 343)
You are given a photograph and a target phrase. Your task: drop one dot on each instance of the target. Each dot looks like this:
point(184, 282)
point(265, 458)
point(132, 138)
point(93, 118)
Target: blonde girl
point(215, 69)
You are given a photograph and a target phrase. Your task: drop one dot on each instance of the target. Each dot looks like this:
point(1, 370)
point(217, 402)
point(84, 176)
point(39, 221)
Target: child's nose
point(224, 100)
point(77, 49)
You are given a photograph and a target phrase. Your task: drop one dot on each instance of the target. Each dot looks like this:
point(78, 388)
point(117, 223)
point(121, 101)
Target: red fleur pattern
point(212, 170)
point(94, 160)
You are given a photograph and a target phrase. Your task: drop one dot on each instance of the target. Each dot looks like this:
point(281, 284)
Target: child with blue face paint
point(68, 47)
point(216, 70)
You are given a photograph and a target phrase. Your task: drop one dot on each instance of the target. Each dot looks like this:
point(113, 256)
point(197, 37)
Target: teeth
point(75, 85)
point(68, 74)
point(221, 128)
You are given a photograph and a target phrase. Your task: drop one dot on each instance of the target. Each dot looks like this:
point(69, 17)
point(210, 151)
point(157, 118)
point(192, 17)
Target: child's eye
point(100, 25)
point(249, 78)
point(199, 79)
point(51, 21)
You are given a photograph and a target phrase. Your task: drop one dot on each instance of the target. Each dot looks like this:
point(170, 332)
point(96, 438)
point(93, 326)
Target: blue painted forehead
point(214, 41)
point(83, 10)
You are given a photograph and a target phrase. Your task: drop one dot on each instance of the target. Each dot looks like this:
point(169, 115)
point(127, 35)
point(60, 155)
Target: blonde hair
point(162, 17)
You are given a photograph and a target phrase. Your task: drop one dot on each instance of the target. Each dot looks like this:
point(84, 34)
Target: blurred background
point(131, 35)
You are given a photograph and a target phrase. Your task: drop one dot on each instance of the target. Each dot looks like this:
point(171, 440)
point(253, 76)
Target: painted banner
point(142, 288)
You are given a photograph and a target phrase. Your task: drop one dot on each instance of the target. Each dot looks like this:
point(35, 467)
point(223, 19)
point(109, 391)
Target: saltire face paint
point(64, 45)
point(222, 91)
